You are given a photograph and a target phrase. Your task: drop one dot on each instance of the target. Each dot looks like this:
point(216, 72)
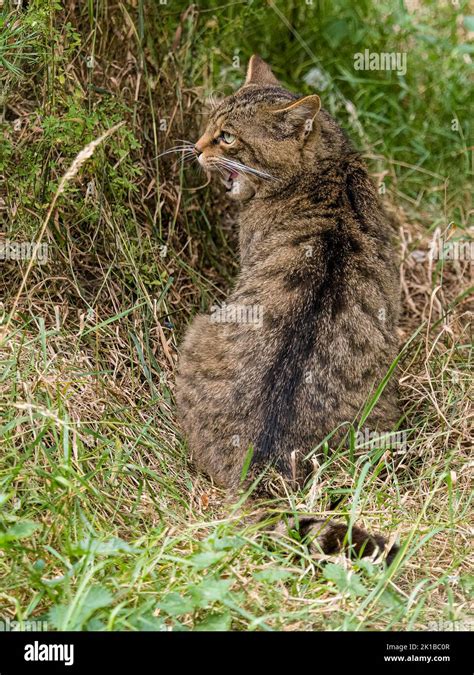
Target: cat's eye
point(227, 137)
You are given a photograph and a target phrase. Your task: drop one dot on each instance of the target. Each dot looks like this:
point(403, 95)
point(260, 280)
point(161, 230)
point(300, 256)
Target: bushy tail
point(330, 538)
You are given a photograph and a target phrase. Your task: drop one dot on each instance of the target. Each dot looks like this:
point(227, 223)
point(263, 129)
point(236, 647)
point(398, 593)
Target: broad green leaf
point(148, 622)
point(215, 622)
point(272, 575)
point(57, 616)
point(227, 543)
point(111, 546)
point(20, 530)
point(347, 581)
point(95, 598)
point(210, 590)
point(202, 561)
point(176, 605)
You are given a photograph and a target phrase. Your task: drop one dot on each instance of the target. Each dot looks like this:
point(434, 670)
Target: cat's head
point(259, 137)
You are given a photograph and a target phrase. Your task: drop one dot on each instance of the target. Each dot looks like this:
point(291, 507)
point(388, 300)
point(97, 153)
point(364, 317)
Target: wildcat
point(309, 330)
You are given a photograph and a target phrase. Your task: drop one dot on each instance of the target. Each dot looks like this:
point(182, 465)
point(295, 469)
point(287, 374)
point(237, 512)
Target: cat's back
point(319, 271)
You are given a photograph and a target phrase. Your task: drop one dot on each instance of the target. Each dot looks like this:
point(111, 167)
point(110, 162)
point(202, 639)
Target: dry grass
point(95, 485)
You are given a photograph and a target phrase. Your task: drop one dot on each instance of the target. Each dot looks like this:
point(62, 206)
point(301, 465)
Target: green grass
point(104, 523)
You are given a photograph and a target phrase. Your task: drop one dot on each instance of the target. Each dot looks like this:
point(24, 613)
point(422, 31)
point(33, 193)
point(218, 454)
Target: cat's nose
point(198, 152)
point(199, 147)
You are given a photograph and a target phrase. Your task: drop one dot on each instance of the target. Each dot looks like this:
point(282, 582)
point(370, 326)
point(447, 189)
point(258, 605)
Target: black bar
point(305, 653)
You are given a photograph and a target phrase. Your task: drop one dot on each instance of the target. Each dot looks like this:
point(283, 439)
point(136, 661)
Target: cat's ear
point(300, 114)
point(259, 72)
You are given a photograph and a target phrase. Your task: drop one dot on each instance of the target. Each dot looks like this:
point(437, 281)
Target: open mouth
point(228, 179)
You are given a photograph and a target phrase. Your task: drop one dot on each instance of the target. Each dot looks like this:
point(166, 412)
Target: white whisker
point(243, 168)
point(182, 148)
point(183, 140)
